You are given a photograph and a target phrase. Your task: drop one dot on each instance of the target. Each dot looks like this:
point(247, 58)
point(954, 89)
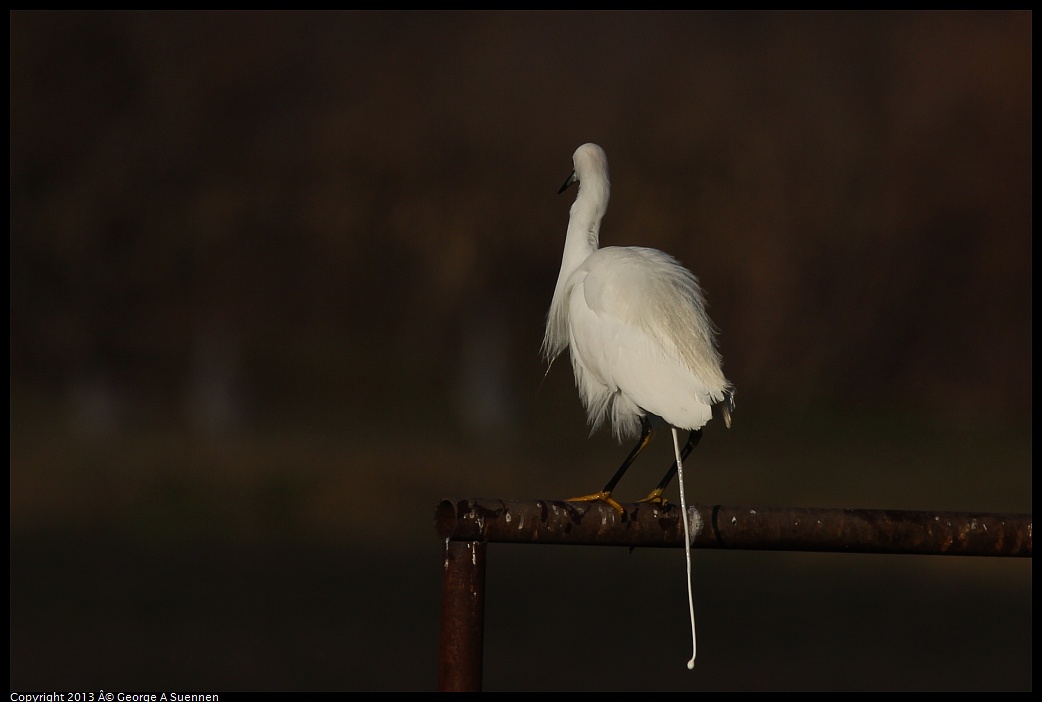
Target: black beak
point(567, 181)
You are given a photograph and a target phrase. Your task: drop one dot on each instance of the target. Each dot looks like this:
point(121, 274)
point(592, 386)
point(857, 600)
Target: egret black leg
point(655, 495)
point(605, 494)
point(645, 439)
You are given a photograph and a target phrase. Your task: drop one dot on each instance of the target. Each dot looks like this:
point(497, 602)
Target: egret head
point(590, 168)
point(590, 162)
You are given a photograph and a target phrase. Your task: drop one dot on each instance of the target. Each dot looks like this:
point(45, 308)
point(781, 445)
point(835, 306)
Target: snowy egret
point(634, 320)
point(642, 346)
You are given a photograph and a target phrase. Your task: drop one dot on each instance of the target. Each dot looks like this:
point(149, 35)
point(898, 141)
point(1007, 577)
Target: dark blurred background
point(278, 284)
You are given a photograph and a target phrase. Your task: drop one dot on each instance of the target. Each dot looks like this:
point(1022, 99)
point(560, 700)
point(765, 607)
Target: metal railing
point(469, 525)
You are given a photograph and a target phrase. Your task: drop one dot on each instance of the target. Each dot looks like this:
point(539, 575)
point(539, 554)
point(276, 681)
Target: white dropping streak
point(687, 549)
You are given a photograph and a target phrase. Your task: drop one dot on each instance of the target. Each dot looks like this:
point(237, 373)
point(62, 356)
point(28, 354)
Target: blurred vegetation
point(312, 207)
point(275, 274)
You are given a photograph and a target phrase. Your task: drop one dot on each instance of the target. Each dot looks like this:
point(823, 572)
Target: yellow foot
point(601, 496)
point(655, 498)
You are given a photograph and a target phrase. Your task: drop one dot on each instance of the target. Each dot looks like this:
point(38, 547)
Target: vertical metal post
point(462, 617)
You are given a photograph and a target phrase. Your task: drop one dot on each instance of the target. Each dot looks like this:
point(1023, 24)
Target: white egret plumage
point(642, 346)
